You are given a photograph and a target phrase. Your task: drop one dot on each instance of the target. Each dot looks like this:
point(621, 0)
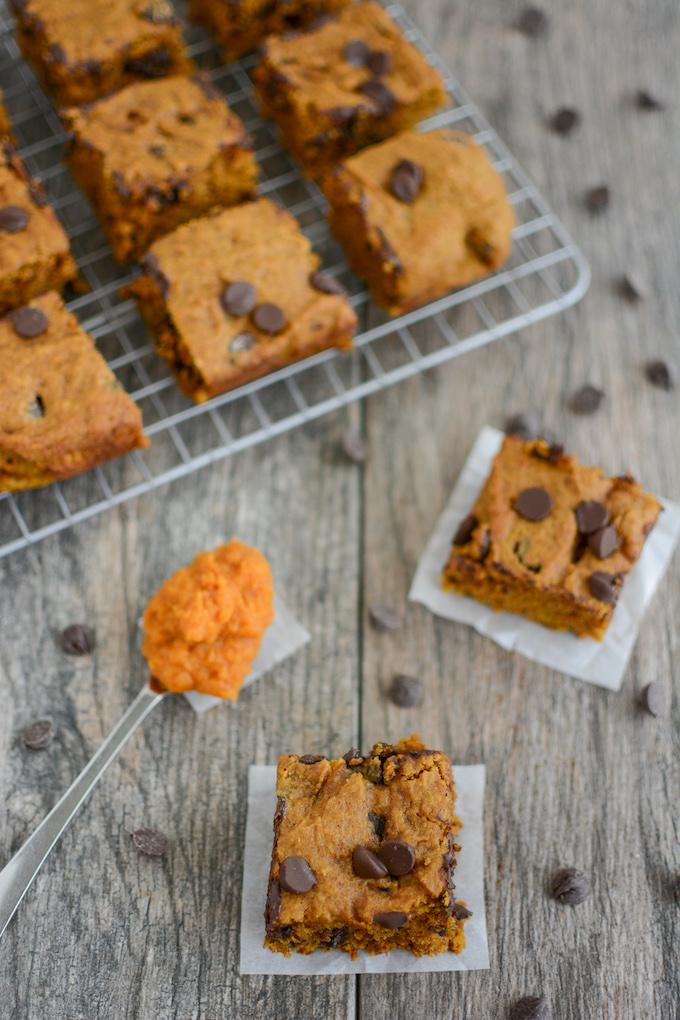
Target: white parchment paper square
point(469, 878)
point(598, 662)
point(285, 636)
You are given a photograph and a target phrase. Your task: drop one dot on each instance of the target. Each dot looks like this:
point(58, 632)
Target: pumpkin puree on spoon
point(203, 628)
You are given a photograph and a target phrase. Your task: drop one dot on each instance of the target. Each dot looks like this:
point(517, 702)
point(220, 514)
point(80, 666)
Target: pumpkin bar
point(419, 215)
point(364, 854)
point(157, 154)
point(242, 26)
point(551, 539)
point(61, 408)
point(238, 294)
point(84, 49)
point(350, 82)
point(34, 250)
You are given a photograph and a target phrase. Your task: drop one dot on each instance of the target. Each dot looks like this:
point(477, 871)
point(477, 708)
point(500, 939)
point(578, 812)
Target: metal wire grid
point(546, 273)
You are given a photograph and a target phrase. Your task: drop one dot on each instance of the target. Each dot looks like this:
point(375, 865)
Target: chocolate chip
point(366, 864)
point(648, 101)
point(353, 446)
point(586, 399)
point(531, 1007)
point(591, 516)
point(352, 755)
point(380, 95)
point(398, 857)
point(602, 586)
point(534, 504)
point(631, 287)
point(564, 120)
point(310, 759)
point(238, 298)
point(460, 912)
point(384, 617)
point(29, 322)
point(533, 22)
point(597, 199)
point(661, 374)
point(570, 886)
point(296, 876)
point(338, 937)
point(77, 639)
point(269, 318)
point(525, 426)
point(356, 52)
point(38, 735)
point(157, 150)
point(390, 919)
point(13, 219)
point(378, 62)
point(150, 842)
point(242, 342)
point(406, 180)
point(378, 822)
point(406, 691)
point(465, 530)
point(325, 283)
point(603, 542)
point(652, 700)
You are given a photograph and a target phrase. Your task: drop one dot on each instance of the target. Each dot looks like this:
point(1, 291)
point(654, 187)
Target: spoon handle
point(19, 872)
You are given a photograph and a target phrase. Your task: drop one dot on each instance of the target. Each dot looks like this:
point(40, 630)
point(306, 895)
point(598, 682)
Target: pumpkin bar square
point(34, 250)
point(84, 49)
point(419, 215)
point(157, 154)
point(62, 410)
point(237, 294)
point(550, 538)
point(241, 27)
point(364, 854)
point(350, 82)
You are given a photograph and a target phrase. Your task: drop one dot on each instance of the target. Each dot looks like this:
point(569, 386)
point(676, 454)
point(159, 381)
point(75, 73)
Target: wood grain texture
point(576, 775)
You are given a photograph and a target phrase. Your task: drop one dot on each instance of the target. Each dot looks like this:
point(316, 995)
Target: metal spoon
point(19, 872)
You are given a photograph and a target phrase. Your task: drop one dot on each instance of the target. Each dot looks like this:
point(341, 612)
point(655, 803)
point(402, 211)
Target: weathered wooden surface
point(576, 775)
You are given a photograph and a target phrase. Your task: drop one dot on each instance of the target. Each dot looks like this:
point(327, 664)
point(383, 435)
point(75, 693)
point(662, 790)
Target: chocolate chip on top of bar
point(550, 538)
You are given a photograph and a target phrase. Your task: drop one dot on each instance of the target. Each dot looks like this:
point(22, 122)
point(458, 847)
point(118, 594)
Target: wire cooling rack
point(545, 274)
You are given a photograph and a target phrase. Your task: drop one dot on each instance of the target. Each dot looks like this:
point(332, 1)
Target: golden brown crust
point(542, 569)
point(61, 408)
point(241, 27)
point(457, 229)
point(157, 154)
point(327, 106)
point(325, 809)
point(84, 49)
point(187, 271)
point(37, 257)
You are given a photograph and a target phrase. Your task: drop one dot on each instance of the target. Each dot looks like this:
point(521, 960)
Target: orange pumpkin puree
point(203, 628)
